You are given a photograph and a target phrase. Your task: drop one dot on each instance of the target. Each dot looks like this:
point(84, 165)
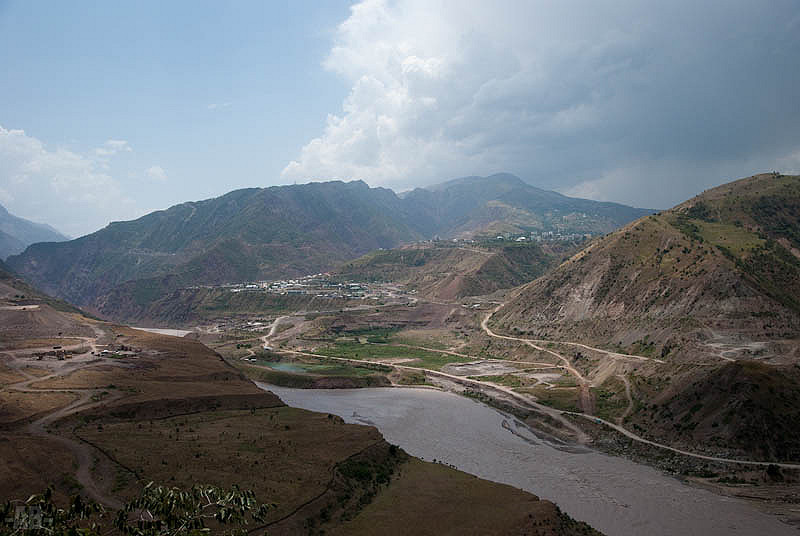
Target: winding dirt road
point(86, 399)
point(521, 400)
point(627, 433)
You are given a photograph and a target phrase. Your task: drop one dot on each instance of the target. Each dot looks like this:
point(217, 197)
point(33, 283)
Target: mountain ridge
point(280, 231)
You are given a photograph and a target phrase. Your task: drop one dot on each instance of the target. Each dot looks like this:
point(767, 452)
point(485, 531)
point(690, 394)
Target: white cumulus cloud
point(112, 147)
point(71, 191)
point(156, 173)
point(563, 94)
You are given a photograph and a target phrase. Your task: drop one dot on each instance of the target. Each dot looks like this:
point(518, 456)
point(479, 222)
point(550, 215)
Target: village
point(323, 286)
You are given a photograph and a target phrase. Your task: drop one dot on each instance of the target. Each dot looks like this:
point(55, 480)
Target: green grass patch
point(562, 399)
point(422, 358)
point(738, 240)
point(508, 380)
point(610, 403)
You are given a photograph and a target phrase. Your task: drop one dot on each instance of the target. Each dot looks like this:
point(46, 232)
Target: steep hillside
point(18, 233)
point(244, 235)
point(720, 268)
point(743, 407)
point(285, 231)
point(708, 293)
point(447, 271)
point(26, 313)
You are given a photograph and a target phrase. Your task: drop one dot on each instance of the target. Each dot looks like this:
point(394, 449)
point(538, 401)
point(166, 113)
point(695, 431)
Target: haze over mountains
point(18, 233)
point(283, 231)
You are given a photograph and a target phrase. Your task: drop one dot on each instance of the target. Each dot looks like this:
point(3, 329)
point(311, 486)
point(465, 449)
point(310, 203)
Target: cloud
point(112, 147)
point(68, 190)
point(156, 173)
point(217, 106)
point(646, 101)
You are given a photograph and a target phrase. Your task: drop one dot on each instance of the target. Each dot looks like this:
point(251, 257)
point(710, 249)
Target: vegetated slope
point(244, 235)
point(504, 203)
point(724, 264)
point(281, 232)
point(446, 271)
point(17, 233)
point(742, 408)
point(714, 280)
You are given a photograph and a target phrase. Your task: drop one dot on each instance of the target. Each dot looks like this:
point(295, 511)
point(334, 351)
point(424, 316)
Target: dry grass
point(17, 406)
point(440, 500)
point(21, 344)
point(285, 455)
point(29, 464)
point(8, 375)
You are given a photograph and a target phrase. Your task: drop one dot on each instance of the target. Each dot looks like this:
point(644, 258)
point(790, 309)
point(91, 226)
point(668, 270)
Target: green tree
point(158, 511)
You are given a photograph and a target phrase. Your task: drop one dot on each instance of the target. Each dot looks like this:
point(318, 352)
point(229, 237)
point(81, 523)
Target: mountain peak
point(17, 233)
point(505, 179)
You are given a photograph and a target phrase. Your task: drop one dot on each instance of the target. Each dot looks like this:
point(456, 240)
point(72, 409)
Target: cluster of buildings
point(546, 236)
point(319, 285)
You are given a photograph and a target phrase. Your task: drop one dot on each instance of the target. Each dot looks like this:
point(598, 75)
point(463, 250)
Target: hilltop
point(505, 203)
point(286, 231)
point(723, 264)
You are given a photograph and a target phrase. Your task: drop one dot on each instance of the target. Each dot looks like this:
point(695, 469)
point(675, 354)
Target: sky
point(109, 110)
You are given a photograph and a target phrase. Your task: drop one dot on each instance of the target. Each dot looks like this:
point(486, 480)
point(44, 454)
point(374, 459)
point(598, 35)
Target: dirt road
point(522, 400)
point(86, 399)
point(618, 427)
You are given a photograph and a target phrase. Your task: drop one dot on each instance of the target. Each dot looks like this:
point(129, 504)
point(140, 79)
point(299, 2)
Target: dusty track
point(522, 400)
point(627, 433)
point(84, 454)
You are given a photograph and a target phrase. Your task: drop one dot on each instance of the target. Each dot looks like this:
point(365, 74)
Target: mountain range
point(18, 233)
point(281, 231)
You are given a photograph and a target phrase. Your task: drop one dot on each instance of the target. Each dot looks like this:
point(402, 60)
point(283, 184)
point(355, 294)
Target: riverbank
point(613, 494)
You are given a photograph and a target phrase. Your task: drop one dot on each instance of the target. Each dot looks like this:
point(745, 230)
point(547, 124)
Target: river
point(614, 495)
point(165, 331)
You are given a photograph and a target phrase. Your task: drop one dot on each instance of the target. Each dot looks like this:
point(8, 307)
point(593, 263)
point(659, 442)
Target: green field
point(509, 380)
point(421, 358)
point(562, 399)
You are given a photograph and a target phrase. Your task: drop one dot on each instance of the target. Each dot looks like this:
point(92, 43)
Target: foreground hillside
point(288, 231)
point(725, 264)
point(98, 409)
point(708, 295)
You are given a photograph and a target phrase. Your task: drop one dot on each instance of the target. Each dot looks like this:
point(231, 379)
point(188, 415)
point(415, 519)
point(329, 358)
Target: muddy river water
point(614, 495)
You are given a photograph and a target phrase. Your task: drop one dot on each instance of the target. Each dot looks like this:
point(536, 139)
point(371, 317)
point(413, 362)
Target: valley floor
point(106, 414)
point(568, 389)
